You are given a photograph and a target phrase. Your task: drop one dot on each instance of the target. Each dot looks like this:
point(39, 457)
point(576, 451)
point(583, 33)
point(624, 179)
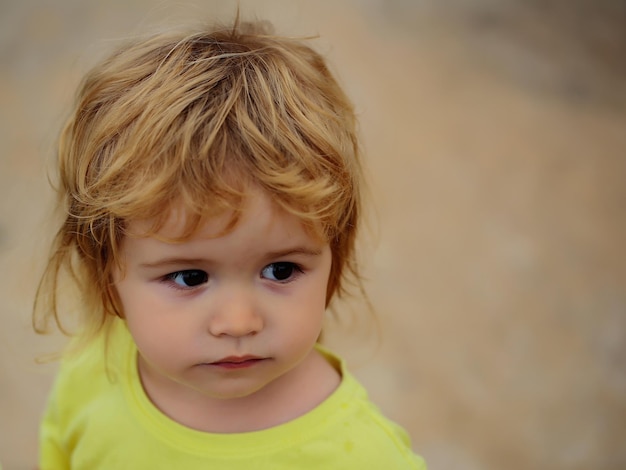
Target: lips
point(237, 362)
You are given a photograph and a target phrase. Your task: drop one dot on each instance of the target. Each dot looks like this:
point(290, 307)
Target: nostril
point(236, 325)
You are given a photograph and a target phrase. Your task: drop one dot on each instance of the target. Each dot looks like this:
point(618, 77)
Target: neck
point(285, 399)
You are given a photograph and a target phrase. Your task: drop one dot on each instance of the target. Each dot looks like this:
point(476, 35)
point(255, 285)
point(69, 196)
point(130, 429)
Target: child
point(211, 187)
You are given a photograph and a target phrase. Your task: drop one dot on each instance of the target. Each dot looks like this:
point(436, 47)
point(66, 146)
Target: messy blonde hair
point(196, 118)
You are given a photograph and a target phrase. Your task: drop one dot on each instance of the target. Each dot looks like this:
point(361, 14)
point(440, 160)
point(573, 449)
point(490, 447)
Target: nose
point(235, 313)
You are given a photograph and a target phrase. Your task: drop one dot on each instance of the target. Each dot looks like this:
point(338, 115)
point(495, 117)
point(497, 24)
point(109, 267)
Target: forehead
point(257, 213)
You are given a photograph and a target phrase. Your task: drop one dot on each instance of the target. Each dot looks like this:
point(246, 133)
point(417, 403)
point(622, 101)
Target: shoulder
point(362, 433)
point(86, 408)
point(86, 376)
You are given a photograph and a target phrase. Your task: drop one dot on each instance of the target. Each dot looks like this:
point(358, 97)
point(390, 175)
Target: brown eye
point(280, 272)
point(188, 278)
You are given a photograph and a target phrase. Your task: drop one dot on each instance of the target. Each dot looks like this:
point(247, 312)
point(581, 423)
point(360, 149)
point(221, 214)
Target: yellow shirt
point(99, 417)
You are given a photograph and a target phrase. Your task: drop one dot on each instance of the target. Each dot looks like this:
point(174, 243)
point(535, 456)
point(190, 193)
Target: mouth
point(237, 362)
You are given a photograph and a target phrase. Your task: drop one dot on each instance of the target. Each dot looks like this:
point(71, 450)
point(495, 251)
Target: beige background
point(496, 140)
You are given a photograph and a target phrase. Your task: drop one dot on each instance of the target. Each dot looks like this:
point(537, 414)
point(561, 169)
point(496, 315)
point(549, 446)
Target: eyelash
point(170, 278)
point(296, 272)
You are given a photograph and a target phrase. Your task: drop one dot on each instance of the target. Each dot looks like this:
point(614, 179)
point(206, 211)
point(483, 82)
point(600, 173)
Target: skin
point(225, 325)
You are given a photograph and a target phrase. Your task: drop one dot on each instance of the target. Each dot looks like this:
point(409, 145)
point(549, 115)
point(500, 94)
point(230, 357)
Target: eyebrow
point(171, 262)
point(294, 251)
point(177, 261)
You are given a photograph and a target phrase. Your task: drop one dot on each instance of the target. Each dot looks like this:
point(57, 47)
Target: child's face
point(225, 316)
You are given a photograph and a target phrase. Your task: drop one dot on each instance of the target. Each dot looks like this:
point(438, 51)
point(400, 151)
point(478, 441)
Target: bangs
point(208, 122)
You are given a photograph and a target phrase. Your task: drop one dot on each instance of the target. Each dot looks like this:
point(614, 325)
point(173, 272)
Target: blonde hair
point(196, 118)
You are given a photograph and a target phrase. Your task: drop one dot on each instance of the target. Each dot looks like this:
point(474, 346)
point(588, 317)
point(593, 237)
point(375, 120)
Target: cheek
point(314, 296)
point(158, 342)
point(143, 315)
point(314, 301)
point(138, 298)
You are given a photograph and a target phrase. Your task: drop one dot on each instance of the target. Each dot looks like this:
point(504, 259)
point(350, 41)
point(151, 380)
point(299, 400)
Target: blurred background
point(495, 136)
